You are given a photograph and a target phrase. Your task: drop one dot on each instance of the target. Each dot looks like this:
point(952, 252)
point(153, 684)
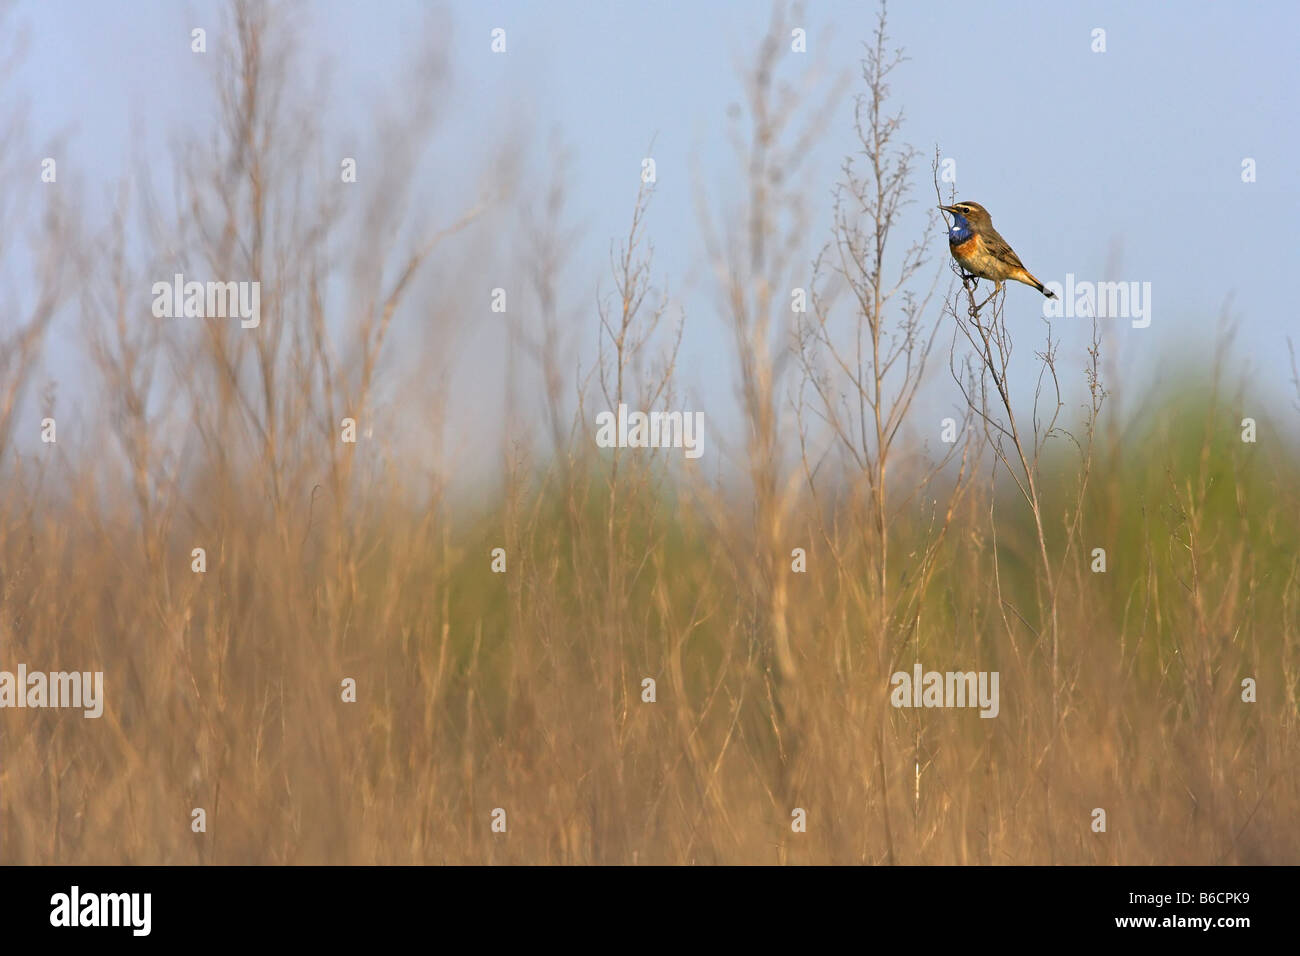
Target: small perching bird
point(981, 252)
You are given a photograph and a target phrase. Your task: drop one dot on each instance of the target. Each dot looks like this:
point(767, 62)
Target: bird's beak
point(948, 209)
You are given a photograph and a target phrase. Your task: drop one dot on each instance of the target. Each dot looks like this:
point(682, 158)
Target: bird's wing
point(997, 247)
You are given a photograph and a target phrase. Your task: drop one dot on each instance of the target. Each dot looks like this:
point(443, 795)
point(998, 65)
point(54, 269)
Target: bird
point(981, 252)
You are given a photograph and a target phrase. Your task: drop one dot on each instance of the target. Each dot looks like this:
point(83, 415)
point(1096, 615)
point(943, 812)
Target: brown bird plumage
point(981, 252)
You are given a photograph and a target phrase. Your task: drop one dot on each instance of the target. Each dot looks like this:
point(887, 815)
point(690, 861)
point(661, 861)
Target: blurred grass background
point(522, 690)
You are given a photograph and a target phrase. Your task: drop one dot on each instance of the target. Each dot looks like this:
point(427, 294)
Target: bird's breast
point(964, 248)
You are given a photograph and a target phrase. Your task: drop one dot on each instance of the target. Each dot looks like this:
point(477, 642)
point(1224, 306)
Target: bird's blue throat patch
point(961, 230)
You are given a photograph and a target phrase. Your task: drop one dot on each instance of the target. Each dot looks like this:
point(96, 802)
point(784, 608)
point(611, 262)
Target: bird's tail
point(1028, 279)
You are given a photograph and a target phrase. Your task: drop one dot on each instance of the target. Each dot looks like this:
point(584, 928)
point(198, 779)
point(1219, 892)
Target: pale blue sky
point(1076, 153)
